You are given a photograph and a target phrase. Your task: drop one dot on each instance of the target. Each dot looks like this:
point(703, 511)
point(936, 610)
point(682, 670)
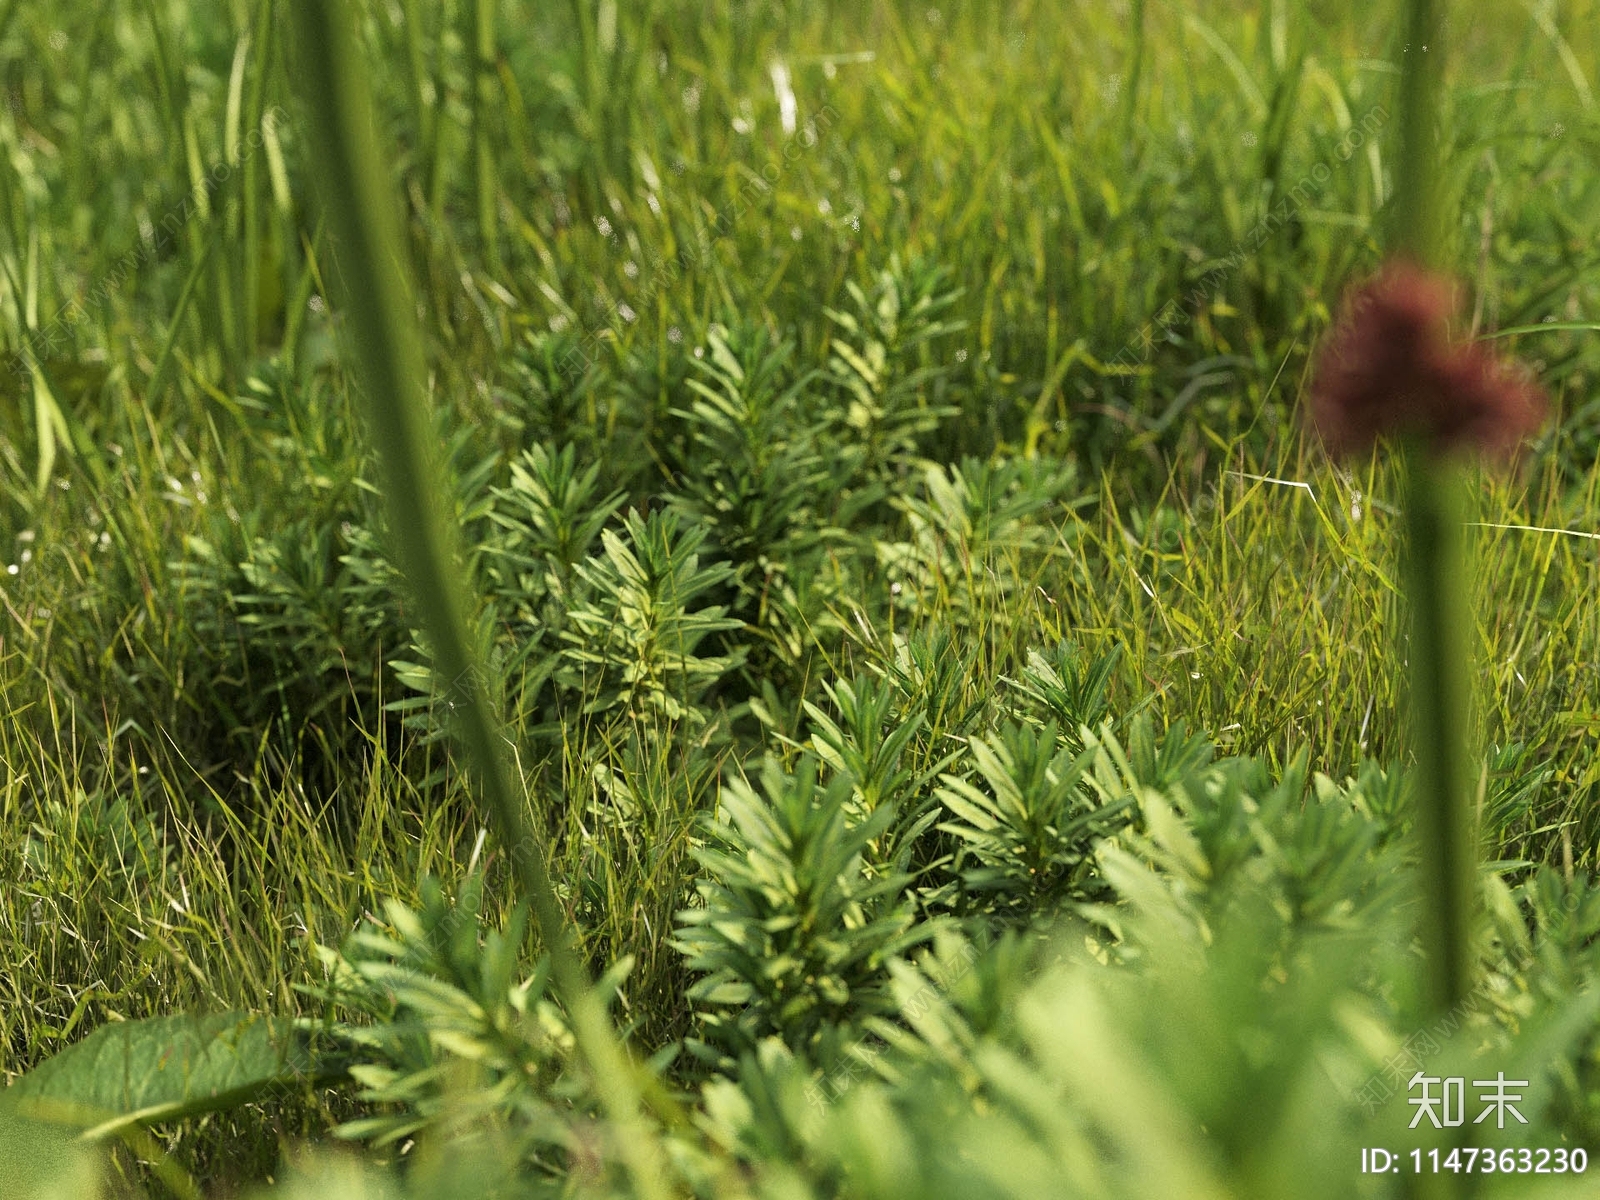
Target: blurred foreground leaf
point(163, 1069)
point(42, 1161)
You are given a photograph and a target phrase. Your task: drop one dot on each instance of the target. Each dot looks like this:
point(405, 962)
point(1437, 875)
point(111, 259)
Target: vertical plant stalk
point(591, 96)
point(1439, 648)
point(361, 214)
point(482, 104)
point(589, 56)
point(1130, 100)
point(1437, 586)
point(417, 65)
point(253, 209)
point(1418, 228)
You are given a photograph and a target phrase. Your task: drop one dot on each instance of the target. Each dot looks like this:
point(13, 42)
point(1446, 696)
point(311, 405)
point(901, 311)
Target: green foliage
point(553, 514)
point(634, 634)
point(1215, 1046)
point(890, 388)
point(443, 1036)
point(1066, 687)
point(43, 1160)
point(544, 523)
point(868, 741)
point(795, 929)
point(1209, 1041)
point(840, 381)
point(971, 544)
point(1028, 824)
point(165, 1069)
point(944, 685)
point(1323, 855)
point(753, 471)
point(540, 398)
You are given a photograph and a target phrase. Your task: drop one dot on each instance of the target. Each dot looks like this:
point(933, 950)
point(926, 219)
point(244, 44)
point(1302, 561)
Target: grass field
point(879, 397)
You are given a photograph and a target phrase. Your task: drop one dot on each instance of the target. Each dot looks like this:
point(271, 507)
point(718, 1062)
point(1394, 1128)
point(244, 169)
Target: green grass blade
point(159, 372)
point(1546, 327)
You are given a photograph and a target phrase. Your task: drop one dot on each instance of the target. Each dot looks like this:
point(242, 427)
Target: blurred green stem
point(1130, 110)
point(377, 305)
point(483, 97)
point(590, 55)
point(417, 64)
point(1439, 654)
point(1418, 221)
point(1437, 582)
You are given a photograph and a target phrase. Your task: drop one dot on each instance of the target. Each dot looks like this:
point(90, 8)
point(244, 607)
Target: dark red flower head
point(1390, 368)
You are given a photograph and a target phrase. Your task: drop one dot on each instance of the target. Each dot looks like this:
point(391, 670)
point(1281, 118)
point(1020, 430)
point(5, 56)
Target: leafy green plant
point(1028, 825)
point(881, 363)
point(868, 740)
point(1160, 761)
point(794, 931)
point(939, 679)
point(543, 398)
point(633, 636)
point(1211, 1049)
point(356, 195)
point(970, 543)
point(1066, 686)
point(544, 522)
point(1323, 854)
point(752, 470)
point(551, 512)
point(445, 1039)
point(962, 337)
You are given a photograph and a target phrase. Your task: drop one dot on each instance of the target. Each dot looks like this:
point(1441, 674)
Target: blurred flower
point(1391, 368)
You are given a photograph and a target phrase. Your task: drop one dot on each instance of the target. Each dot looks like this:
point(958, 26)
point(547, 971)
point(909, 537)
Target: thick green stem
point(361, 213)
point(1440, 682)
point(1439, 646)
point(1436, 582)
point(1418, 220)
point(483, 97)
